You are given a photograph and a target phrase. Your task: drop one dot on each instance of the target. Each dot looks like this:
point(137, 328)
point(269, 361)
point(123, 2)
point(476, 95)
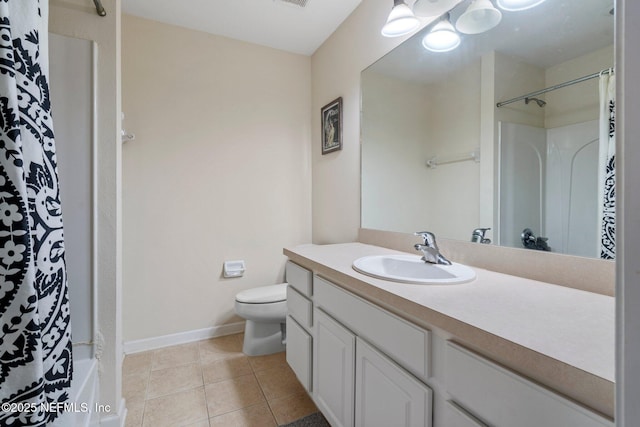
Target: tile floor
point(211, 383)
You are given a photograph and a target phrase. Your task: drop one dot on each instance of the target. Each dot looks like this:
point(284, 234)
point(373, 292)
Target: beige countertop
point(561, 337)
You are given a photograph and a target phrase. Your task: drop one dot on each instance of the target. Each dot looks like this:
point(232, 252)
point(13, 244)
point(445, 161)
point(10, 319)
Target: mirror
point(439, 154)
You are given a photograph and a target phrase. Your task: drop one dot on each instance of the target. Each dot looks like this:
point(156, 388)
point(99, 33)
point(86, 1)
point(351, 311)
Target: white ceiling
point(272, 23)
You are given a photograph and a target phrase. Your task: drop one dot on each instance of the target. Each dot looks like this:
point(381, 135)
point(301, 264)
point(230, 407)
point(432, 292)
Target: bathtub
point(82, 396)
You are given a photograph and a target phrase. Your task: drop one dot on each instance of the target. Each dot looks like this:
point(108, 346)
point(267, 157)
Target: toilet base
point(263, 338)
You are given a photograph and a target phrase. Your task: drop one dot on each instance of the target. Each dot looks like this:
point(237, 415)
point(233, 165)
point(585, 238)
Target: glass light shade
point(479, 17)
point(401, 21)
point(442, 38)
point(433, 8)
point(517, 5)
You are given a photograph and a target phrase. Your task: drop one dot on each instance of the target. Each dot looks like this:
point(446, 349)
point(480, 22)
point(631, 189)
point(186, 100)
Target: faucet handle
point(430, 251)
point(428, 237)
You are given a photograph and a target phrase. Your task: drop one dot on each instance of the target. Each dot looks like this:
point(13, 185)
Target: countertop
point(561, 337)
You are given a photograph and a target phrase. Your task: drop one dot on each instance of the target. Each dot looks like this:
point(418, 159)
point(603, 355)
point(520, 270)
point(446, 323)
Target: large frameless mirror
point(508, 131)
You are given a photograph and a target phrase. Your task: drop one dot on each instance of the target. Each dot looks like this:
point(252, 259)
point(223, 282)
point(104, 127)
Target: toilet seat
point(263, 294)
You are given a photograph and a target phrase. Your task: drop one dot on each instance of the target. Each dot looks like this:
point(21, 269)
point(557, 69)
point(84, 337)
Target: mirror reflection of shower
point(548, 182)
point(557, 161)
point(538, 101)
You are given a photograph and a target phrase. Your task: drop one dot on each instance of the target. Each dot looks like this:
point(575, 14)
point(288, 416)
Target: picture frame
point(331, 124)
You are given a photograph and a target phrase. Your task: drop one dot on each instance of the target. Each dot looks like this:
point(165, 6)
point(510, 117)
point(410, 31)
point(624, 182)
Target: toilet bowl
point(265, 311)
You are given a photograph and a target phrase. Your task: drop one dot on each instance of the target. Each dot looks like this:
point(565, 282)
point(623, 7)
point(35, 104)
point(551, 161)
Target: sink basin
point(412, 269)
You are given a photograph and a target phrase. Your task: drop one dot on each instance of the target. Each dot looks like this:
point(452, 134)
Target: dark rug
point(314, 420)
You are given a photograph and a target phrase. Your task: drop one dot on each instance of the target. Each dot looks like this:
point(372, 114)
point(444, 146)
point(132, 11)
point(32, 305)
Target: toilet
point(265, 311)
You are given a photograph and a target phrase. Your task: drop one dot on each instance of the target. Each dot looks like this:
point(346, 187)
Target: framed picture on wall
point(332, 126)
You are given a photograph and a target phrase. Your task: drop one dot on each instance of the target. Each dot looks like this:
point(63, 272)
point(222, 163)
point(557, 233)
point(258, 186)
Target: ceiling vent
point(301, 3)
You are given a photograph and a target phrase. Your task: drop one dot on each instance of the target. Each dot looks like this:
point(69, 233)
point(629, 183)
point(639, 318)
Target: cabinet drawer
point(300, 308)
point(299, 350)
point(300, 278)
point(455, 416)
point(505, 399)
point(404, 342)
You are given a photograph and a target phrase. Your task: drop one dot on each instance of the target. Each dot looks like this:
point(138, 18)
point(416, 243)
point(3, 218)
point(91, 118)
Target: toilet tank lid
point(263, 294)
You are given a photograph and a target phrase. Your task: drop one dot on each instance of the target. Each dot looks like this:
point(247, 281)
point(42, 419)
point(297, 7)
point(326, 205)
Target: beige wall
point(393, 157)
point(455, 130)
point(406, 123)
point(336, 68)
point(78, 18)
point(220, 170)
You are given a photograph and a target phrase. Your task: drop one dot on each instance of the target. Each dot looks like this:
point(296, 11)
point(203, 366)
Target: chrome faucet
point(478, 235)
point(430, 251)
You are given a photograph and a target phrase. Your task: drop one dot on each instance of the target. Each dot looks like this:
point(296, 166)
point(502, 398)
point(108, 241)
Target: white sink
point(412, 269)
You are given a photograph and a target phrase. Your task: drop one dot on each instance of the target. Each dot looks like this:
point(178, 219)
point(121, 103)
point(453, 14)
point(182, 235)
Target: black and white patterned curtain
point(607, 165)
point(35, 332)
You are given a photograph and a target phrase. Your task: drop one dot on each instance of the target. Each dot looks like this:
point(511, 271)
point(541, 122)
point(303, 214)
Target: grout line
point(204, 386)
point(265, 399)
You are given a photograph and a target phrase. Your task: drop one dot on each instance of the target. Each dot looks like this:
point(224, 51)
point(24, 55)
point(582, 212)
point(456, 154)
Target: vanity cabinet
point(362, 355)
point(366, 367)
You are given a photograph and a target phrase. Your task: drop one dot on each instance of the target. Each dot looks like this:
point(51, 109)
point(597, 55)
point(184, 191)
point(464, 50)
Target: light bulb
point(401, 21)
point(442, 38)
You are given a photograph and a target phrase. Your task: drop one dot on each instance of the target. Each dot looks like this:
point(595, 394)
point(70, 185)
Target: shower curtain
point(607, 166)
point(35, 335)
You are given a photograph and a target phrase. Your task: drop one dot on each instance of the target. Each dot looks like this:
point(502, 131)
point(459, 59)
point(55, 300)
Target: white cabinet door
point(333, 370)
point(386, 395)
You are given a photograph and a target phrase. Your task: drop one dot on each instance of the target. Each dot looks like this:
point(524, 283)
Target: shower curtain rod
point(558, 86)
point(99, 8)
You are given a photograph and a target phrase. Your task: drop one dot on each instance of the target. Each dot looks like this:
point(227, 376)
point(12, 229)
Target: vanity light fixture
point(442, 37)
point(433, 8)
point(479, 17)
point(517, 5)
point(401, 20)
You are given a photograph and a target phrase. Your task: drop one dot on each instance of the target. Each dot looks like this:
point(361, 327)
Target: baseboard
point(147, 344)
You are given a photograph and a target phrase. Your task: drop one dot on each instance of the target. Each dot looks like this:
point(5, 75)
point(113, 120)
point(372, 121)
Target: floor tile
point(134, 414)
point(174, 410)
point(211, 383)
point(230, 395)
point(220, 348)
point(260, 363)
point(224, 369)
point(171, 380)
point(292, 407)
point(203, 423)
point(175, 356)
point(253, 416)
point(279, 382)
point(134, 387)
point(136, 363)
